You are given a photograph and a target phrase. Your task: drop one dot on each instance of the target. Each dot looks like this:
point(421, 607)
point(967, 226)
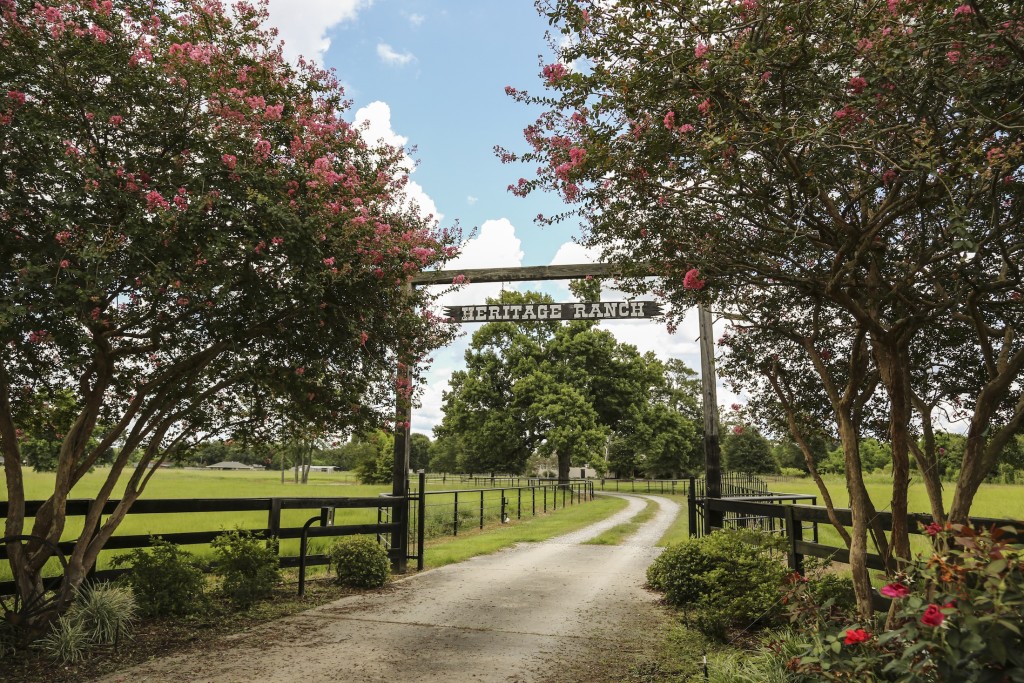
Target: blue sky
point(431, 74)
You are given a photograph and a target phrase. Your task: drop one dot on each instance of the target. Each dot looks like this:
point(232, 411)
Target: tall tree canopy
point(568, 390)
point(856, 160)
point(195, 242)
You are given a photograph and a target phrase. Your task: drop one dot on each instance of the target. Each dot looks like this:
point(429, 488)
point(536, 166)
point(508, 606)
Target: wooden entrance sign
point(594, 310)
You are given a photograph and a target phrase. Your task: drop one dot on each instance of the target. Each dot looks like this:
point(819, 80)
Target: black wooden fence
point(465, 506)
point(792, 520)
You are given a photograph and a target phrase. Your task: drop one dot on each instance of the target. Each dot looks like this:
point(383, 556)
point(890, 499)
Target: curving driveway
point(534, 612)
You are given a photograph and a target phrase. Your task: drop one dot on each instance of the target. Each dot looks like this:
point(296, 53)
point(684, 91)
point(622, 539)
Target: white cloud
point(376, 117)
point(389, 56)
point(304, 24)
point(415, 19)
point(471, 200)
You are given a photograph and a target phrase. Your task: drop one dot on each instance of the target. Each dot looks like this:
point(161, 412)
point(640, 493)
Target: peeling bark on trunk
point(893, 367)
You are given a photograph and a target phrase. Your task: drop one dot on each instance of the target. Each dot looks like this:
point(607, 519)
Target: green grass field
point(194, 484)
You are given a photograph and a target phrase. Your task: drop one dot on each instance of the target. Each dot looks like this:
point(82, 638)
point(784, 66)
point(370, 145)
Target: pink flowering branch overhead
point(196, 242)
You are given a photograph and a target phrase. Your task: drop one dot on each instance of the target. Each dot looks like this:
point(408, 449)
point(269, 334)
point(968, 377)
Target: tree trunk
point(563, 469)
point(893, 362)
point(861, 510)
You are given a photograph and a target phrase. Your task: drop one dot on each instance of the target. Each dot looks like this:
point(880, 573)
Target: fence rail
point(459, 508)
point(791, 520)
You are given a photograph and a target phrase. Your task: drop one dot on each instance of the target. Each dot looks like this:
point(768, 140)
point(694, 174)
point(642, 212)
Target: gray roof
point(229, 465)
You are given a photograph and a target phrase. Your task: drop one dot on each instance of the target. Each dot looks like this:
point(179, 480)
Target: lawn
point(174, 483)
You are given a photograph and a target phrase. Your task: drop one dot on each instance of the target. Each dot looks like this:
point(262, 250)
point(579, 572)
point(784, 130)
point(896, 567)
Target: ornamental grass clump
point(360, 562)
point(102, 614)
point(958, 615)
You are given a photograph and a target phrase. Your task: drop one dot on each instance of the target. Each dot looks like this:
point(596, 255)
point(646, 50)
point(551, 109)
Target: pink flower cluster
point(692, 280)
point(553, 73)
point(155, 201)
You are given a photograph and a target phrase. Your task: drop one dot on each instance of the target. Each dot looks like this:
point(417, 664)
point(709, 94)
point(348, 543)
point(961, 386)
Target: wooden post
point(400, 465)
point(712, 451)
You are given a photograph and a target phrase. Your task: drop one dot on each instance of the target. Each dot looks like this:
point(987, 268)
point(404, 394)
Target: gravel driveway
point(529, 613)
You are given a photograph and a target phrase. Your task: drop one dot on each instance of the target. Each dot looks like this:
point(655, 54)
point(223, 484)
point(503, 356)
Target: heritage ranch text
point(598, 310)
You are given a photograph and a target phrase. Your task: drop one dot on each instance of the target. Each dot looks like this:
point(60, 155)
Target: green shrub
point(166, 579)
point(726, 580)
point(360, 562)
point(247, 566)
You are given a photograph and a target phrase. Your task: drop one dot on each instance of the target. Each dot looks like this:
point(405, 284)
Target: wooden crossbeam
point(525, 274)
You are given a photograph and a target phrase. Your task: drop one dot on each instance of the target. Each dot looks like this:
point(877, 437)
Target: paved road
point(519, 615)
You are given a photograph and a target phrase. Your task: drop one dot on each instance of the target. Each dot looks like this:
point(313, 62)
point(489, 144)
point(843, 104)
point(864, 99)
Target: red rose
point(933, 616)
point(856, 635)
point(895, 590)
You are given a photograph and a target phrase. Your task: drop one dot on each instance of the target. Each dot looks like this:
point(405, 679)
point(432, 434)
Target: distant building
point(329, 469)
point(229, 465)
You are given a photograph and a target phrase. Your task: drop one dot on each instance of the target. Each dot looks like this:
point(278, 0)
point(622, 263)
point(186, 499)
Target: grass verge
point(617, 534)
point(496, 537)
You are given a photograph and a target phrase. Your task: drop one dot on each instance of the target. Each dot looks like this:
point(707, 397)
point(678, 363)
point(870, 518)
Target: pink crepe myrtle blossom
point(700, 50)
point(857, 84)
point(685, 128)
point(300, 371)
point(737, 429)
point(115, 120)
point(155, 200)
point(553, 73)
point(459, 279)
point(963, 11)
point(692, 280)
point(229, 160)
point(16, 96)
point(704, 107)
point(65, 263)
point(953, 56)
point(670, 120)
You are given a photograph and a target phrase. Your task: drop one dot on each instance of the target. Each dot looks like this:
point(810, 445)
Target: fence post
point(502, 506)
point(691, 508)
point(274, 522)
point(794, 533)
point(455, 524)
point(481, 508)
point(421, 520)
point(545, 489)
point(814, 525)
point(533, 501)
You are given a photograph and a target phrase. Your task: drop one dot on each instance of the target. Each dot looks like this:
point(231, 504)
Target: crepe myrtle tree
point(868, 152)
point(195, 241)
